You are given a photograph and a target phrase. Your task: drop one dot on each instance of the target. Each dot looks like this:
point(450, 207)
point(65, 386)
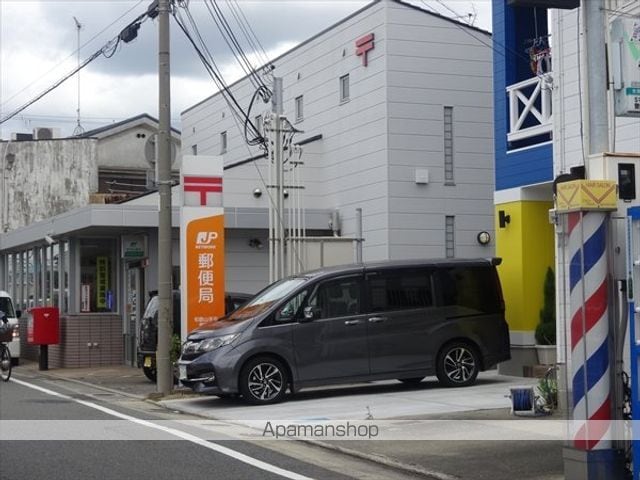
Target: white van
point(6, 305)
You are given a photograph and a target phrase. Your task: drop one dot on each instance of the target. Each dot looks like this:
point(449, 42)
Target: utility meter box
point(43, 326)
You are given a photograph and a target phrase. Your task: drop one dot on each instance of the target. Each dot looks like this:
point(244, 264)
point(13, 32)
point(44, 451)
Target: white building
point(404, 132)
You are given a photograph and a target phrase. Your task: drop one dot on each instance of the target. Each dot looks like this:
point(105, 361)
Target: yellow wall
point(526, 246)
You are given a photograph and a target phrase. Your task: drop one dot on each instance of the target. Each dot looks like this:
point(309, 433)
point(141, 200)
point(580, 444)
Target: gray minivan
point(390, 320)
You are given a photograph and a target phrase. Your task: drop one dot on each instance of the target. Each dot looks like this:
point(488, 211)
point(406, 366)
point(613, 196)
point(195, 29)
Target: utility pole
point(165, 321)
point(276, 242)
point(78, 130)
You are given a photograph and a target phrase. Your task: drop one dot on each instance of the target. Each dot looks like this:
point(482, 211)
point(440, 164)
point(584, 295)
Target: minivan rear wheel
point(458, 365)
point(263, 381)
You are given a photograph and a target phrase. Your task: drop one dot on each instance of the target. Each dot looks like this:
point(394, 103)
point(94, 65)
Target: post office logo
point(206, 238)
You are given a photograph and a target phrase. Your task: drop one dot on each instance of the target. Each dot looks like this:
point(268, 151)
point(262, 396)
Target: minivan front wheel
point(458, 365)
point(263, 380)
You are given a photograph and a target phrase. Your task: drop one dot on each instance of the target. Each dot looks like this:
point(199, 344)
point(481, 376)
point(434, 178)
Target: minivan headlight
point(212, 343)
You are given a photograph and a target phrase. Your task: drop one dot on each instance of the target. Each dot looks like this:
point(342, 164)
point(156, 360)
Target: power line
point(209, 63)
point(108, 50)
point(77, 51)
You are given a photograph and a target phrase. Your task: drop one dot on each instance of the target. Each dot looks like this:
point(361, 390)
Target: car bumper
point(211, 373)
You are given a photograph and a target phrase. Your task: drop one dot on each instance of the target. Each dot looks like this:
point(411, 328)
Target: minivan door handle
point(377, 319)
point(352, 322)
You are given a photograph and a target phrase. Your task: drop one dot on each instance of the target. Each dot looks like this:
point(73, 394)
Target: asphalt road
point(129, 457)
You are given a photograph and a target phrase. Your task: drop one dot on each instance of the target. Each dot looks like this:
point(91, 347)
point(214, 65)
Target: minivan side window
point(291, 309)
point(337, 298)
point(399, 290)
point(473, 288)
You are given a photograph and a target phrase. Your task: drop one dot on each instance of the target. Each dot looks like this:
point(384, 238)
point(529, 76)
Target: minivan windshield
point(267, 297)
point(7, 307)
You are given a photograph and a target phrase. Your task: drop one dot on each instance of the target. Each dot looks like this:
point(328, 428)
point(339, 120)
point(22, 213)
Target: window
point(194, 149)
point(400, 290)
point(474, 288)
point(97, 275)
point(291, 310)
point(344, 88)
point(448, 146)
point(450, 236)
point(337, 298)
point(299, 109)
point(223, 142)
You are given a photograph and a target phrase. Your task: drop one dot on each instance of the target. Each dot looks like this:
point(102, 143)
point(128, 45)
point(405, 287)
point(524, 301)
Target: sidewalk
point(445, 460)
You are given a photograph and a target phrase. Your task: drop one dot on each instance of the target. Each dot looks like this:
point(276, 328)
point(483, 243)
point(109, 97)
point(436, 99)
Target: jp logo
point(206, 238)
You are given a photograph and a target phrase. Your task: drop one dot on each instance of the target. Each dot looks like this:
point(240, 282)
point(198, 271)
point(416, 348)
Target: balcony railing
point(530, 108)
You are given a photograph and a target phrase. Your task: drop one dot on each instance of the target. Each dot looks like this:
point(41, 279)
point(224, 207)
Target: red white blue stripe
point(589, 329)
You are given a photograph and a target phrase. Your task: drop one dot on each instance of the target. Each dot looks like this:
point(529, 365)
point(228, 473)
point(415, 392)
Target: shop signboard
point(133, 247)
point(201, 241)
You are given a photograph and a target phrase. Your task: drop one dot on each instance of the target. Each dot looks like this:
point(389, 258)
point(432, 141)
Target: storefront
point(97, 265)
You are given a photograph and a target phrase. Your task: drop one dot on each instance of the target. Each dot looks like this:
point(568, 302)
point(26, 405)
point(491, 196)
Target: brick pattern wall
point(85, 341)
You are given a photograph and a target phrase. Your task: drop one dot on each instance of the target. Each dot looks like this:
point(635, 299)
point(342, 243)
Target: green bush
point(546, 329)
point(548, 390)
point(175, 348)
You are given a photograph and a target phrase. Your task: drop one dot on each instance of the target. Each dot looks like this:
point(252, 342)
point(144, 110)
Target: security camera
point(49, 239)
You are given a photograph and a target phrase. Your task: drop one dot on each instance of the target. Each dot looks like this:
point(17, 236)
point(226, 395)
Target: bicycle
point(6, 335)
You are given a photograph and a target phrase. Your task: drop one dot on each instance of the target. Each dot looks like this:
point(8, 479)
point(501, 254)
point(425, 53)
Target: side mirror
point(310, 313)
point(18, 313)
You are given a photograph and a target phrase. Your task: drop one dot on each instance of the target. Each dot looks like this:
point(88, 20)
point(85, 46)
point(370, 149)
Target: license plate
point(147, 362)
point(183, 371)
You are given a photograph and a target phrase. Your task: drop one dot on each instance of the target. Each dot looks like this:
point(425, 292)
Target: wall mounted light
point(503, 218)
point(257, 192)
point(483, 238)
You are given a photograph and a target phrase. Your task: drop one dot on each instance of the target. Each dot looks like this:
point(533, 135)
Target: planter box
point(546, 354)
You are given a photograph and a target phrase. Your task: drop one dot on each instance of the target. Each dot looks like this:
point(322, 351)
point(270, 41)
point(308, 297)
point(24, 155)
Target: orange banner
point(205, 270)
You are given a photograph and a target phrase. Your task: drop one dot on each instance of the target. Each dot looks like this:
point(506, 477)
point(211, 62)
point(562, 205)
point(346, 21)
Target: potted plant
point(546, 329)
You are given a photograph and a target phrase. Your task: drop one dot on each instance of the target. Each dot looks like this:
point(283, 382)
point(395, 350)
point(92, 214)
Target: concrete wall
point(45, 178)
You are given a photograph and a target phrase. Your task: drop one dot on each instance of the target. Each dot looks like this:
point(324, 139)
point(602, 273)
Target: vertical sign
point(85, 297)
point(201, 241)
point(102, 280)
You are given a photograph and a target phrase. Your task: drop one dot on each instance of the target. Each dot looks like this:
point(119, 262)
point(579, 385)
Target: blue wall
point(511, 28)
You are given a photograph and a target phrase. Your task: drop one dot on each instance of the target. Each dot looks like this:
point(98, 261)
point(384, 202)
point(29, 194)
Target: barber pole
point(589, 329)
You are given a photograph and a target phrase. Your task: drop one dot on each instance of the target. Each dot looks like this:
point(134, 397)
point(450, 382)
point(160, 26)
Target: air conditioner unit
point(20, 137)
point(46, 133)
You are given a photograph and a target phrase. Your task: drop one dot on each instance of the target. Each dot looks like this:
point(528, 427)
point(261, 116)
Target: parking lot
point(373, 400)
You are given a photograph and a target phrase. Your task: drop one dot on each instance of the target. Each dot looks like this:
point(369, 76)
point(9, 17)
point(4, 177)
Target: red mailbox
point(43, 327)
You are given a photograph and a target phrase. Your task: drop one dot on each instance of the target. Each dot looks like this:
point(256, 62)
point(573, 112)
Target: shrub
point(546, 329)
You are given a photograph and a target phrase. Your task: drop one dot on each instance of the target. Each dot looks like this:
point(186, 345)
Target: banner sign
point(102, 282)
point(201, 241)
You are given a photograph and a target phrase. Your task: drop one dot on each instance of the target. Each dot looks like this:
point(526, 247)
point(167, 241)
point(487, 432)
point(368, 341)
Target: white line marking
point(241, 457)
